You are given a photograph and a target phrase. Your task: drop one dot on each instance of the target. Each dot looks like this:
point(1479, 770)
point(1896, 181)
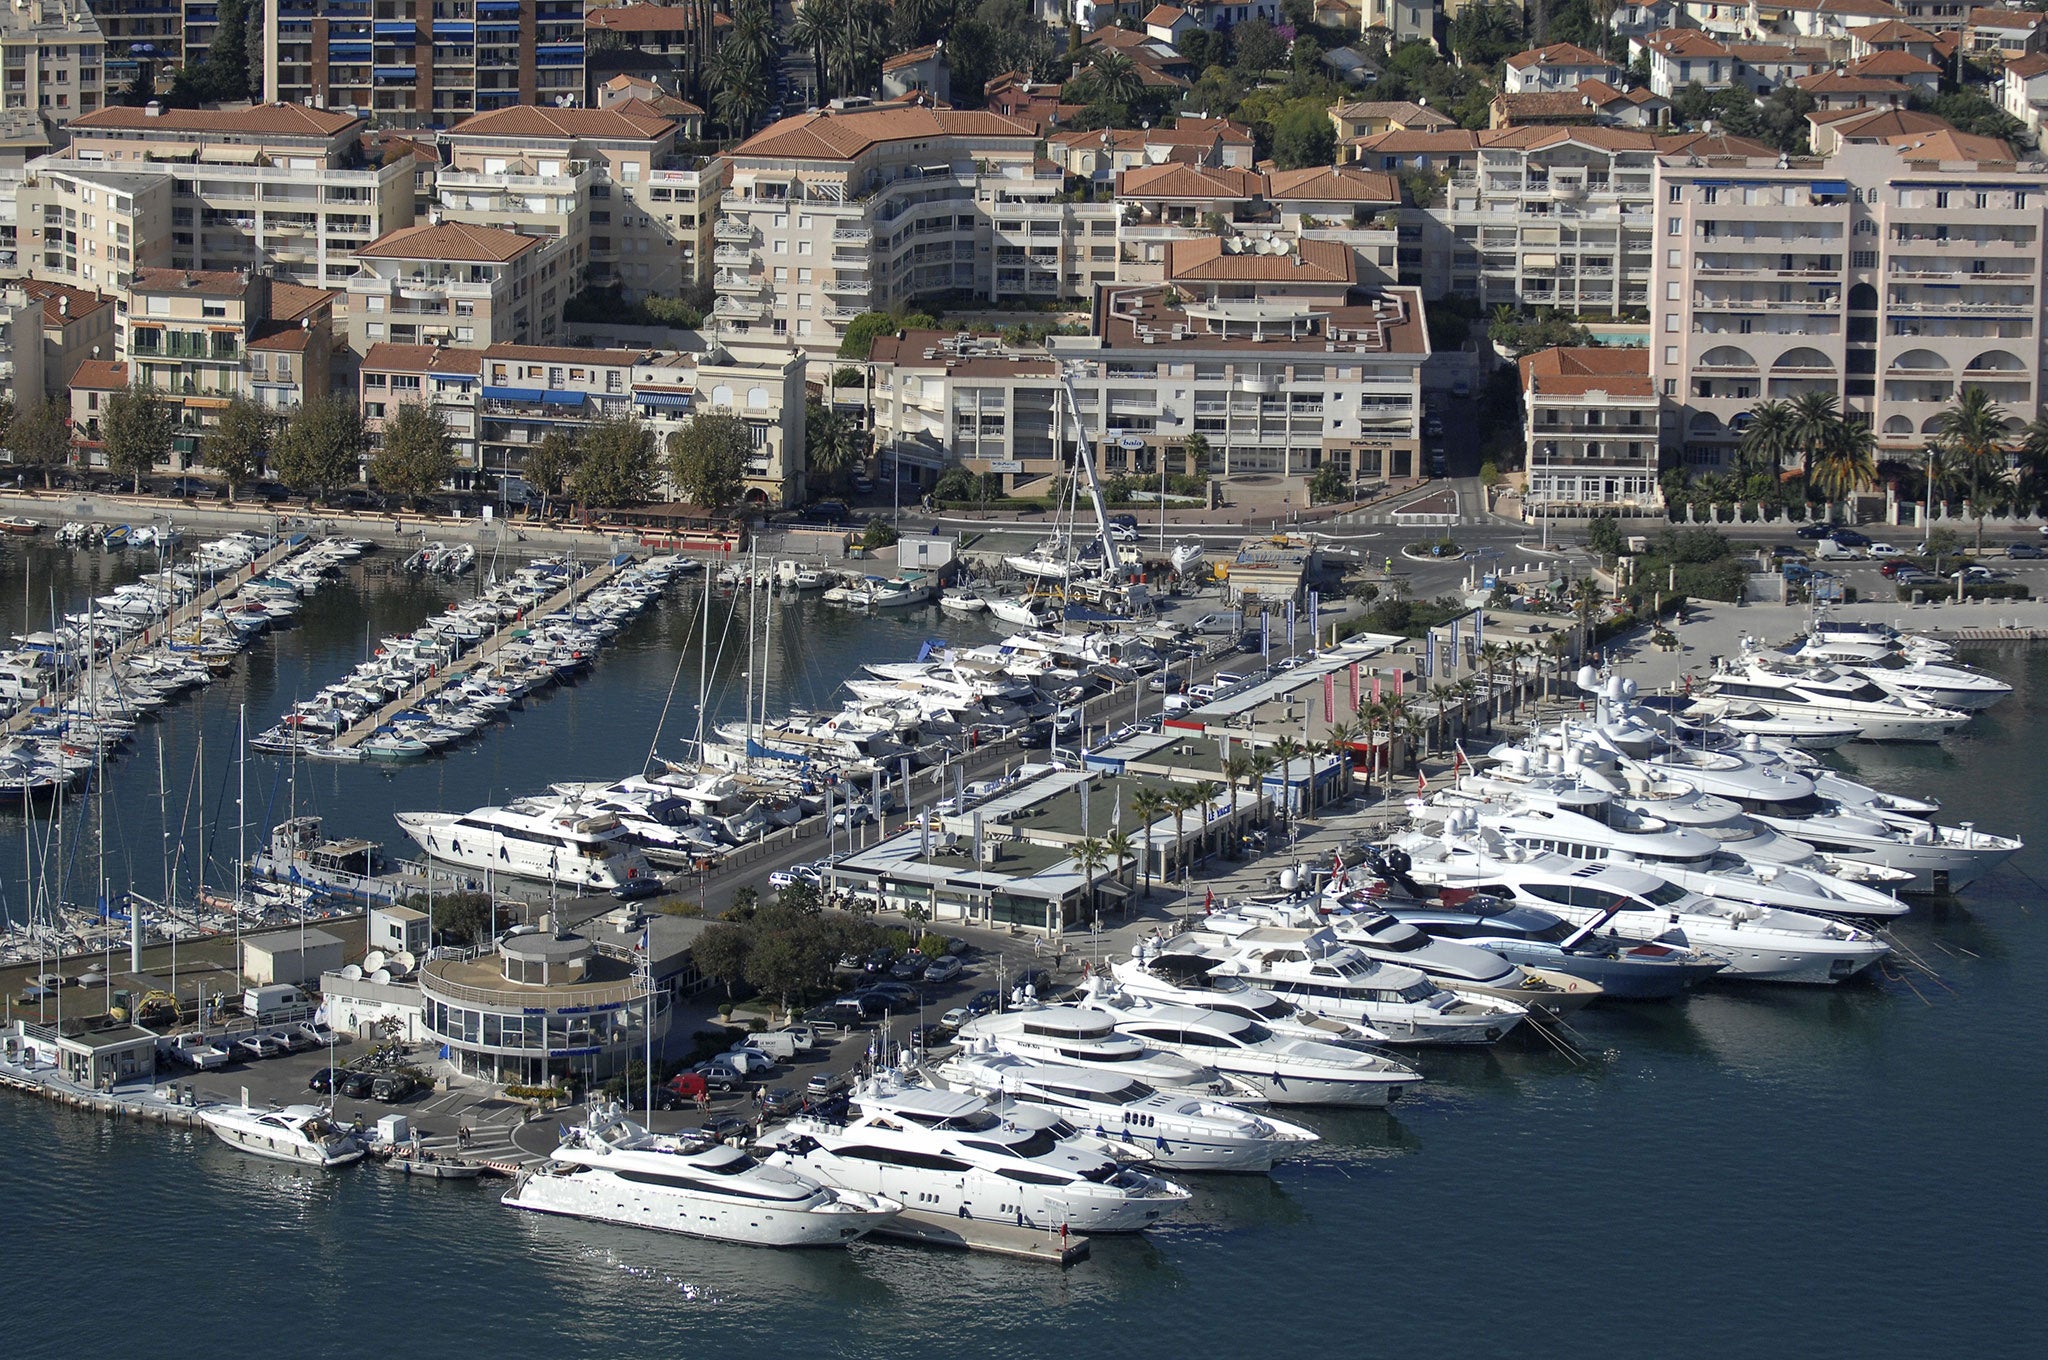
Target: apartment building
point(859, 207)
point(1099, 155)
point(51, 59)
point(423, 63)
point(74, 326)
point(1536, 217)
point(281, 188)
point(611, 174)
point(21, 348)
point(461, 285)
point(500, 402)
point(1555, 69)
point(2023, 89)
point(1889, 276)
point(2008, 32)
point(139, 31)
point(1278, 378)
point(1270, 212)
point(1591, 428)
point(92, 227)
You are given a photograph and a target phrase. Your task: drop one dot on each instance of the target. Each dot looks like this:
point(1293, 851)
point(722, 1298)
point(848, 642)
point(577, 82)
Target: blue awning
point(446, 29)
point(408, 29)
point(528, 394)
point(666, 401)
point(564, 398)
point(1837, 187)
point(459, 379)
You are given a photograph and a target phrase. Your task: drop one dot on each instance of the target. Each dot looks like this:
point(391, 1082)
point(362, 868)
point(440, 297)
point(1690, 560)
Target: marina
point(952, 678)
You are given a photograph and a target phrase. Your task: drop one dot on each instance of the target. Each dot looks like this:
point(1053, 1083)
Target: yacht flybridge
point(1783, 687)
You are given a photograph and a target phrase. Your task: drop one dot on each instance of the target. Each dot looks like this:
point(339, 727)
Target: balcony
point(732, 255)
point(839, 312)
point(857, 236)
point(848, 287)
point(734, 229)
point(741, 308)
point(727, 279)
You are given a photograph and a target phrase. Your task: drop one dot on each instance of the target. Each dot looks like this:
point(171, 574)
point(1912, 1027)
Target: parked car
point(356, 1085)
point(1166, 682)
point(252, 1047)
point(1851, 538)
point(1913, 576)
point(720, 1076)
point(826, 1084)
point(1784, 551)
point(293, 1040)
point(634, 889)
point(779, 1101)
point(1883, 550)
point(747, 1061)
point(2025, 551)
point(910, 967)
point(320, 1035)
point(860, 814)
point(982, 1003)
point(1895, 566)
point(928, 1036)
point(944, 970)
point(956, 1017)
point(1975, 575)
point(687, 1086)
point(392, 1087)
point(720, 1127)
point(1814, 531)
point(322, 1080)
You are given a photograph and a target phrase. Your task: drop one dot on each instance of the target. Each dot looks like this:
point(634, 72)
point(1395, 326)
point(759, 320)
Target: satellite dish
point(373, 960)
point(404, 961)
point(354, 972)
point(1284, 246)
point(1263, 246)
point(381, 975)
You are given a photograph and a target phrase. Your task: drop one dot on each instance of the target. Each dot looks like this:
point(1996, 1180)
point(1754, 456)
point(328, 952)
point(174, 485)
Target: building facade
point(461, 285)
point(51, 55)
point(1591, 423)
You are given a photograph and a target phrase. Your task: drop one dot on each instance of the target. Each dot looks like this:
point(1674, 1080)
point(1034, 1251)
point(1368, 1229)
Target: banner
point(1399, 676)
point(1478, 629)
point(1290, 625)
point(1330, 697)
point(1354, 687)
point(1265, 632)
point(1376, 686)
point(977, 838)
point(1084, 807)
point(1428, 657)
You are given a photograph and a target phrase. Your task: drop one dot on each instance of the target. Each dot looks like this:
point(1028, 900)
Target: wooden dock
point(181, 618)
point(974, 1234)
point(441, 677)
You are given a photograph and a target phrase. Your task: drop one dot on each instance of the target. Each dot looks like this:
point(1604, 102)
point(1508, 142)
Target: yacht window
point(1018, 1173)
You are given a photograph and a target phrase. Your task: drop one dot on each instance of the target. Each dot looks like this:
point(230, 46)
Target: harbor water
point(1817, 1172)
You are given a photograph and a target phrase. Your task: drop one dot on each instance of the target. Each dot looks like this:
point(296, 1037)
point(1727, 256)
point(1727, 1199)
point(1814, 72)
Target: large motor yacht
point(306, 1134)
point(1181, 1133)
point(1085, 1036)
point(614, 1171)
point(949, 1153)
point(1783, 687)
point(1625, 970)
point(531, 838)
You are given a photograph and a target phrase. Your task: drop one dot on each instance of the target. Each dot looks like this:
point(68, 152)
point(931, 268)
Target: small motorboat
point(961, 600)
point(20, 524)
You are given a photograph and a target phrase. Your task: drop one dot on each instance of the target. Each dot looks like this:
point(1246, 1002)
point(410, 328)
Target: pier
point(973, 1234)
point(441, 677)
point(183, 616)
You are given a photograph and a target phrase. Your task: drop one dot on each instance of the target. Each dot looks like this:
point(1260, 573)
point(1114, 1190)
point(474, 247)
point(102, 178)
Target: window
point(1674, 226)
point(1671, 293)
point(1863, 259)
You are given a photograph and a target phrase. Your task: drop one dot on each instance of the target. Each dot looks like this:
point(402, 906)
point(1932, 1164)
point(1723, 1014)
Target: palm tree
point(2033, 448)
point(1490, 656)
point(753, 33)
point(1441, 696)
point(815, 29)
point(833, 443)
point(1114, 77)
point(1337, 745)
point(1119, 846)
point(1091, 854)
point(1284, 751)
point(1586, 595)
point(1768, 436)
point(1973, 432)
point(1178, 803)
point(1559, 645)
point(1263, 763)
point(1148, 803)
point(739, 89)
point(1239, 768)
point(1848, 465)
point(1202, 796)
point(1816, 418)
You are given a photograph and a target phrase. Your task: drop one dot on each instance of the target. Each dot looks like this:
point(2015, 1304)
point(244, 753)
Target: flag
point(1208, 901)
point(1354, 687)
point(1458, 761)
point(1454, 641)
point(924, 837)
point(1116, 811)
point(1421, 781)
point(444, 1050)
point(1330, 697)
point(1428, 657)
point(1084, 806)
point(1315, 613)
point(1290, 625)
point(1399, 676)
point(1265, 633)
point(1478, 629)
point(1376, 687)
point(643, 940)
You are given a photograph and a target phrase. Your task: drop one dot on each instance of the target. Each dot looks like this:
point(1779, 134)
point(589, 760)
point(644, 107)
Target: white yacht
point(1182, 1133)
point(1781, 687)
point(612, 1170)
point(949, 1154)
point(292, 1133)
point(543, 840)
point(1911, 675)
point(1759, 944)
point(1182, 979)
point(1283, 1071)
point(1340, 983)
point(1085, 1036)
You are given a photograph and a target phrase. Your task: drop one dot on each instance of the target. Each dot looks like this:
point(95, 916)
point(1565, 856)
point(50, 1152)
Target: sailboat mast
point(753, 565)
point(241, 823)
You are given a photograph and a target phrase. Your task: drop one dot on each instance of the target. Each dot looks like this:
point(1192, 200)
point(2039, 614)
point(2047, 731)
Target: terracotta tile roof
point(1165, 16)
point(1603, 94)
point(53, 296)
point(1683, 42)
point(1333, 184)
point(1418, 117)
point(1544, 104)
point(290, 301)
point(628, 121)
point(450, 241)
point(279, 335)
point(1405, 143)
point(2028, 65)
point(1892, 31)
point(557, 354)
point(1832, 82)
point(1876, 124)
point(911, 58)
point(2017, 20)
point(843, 136)
point(101, 375)
point(1895, 65)
point(212, 282)
point(1193, 132)
point(1880, 8)
point(1175, 180)
point(1394, 330)
point(1204, 260)
point(385, 357)
point(1947, 144)
point(1710, 144)
point(1574, 371)
point(1557, 54)
point(1780, 54)
point(282, 120)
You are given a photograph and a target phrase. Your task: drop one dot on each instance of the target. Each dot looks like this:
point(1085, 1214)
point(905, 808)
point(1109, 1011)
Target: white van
point(278, 1002)
point(1827, 550)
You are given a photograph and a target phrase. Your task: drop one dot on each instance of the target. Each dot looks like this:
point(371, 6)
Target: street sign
point(1005, 465)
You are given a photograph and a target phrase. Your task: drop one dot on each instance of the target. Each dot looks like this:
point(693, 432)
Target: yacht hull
point(600, 1197)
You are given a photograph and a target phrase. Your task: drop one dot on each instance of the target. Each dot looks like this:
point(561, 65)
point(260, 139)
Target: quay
point(928, 1229)
point(441, 677)
point(181, 617)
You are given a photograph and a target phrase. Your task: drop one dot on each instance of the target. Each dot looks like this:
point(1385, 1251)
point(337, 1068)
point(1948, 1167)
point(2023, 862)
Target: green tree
point(550, 465)
point(721, 954)
point(1973, 432)
point(137, 431)
point(1816, 424)
point(1603, 536)
point(1304, 136)
point(1196, 451)
point(1285, 750)
point(1148, 803)
point(1848, 464)
point(1768, 436)
point(234, 447)
point(416, 456)
point(879, 534)
point(321, 448)
point(1328, 484)
point(868, 327)
point(1113, 77)
point(833, 444)
point(1258, 47)
point(39, 435)
point(708, 459)
point(615, 464)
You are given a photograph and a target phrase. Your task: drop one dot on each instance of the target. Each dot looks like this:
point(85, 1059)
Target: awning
point(526, 394)
point(1839, 188)
point(1112, 888)
point(666, 401)
point(553, 398)
point(1539, 262)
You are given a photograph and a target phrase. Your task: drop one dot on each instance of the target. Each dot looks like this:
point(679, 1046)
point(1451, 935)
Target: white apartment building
point(1555, 69)
point(21, 347)
point(1590, 420)
point(461, 285)
point(274, 187)
point(82, 224)
point(1888, 275)
point(1536, 217)
point(858, 208)
point(1256, 211)
point(50, 59)
point(1276, 382)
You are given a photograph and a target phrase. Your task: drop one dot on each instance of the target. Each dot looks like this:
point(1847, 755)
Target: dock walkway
point(184, 616)
point(441, 677)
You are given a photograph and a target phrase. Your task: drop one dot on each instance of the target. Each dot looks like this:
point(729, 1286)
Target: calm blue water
point(1768, 1172)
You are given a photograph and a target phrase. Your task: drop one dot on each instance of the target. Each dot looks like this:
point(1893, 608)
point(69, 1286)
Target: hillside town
point(729, 254)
